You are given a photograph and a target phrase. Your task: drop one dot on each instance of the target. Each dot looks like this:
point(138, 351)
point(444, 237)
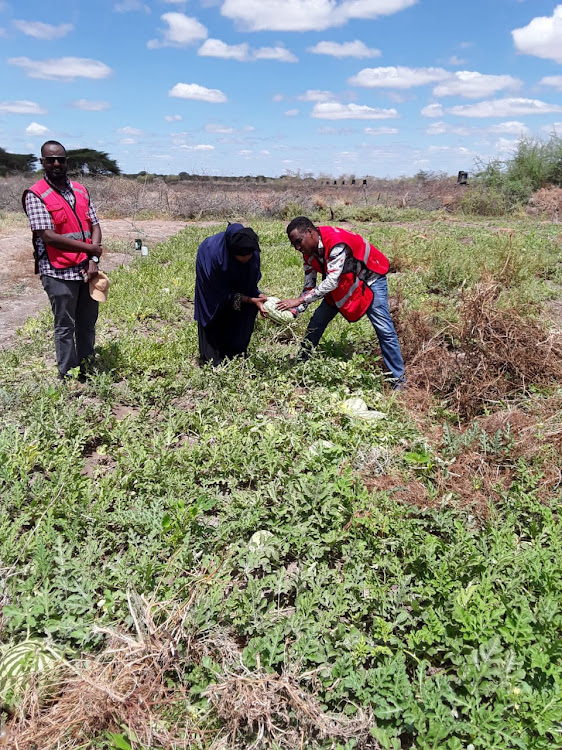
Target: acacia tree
point(89, 161)
point(16, 163)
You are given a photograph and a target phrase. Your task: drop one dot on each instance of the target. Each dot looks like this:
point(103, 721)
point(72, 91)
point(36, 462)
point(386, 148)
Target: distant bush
point(503, 186)
point(292, 209)
point(481, 200)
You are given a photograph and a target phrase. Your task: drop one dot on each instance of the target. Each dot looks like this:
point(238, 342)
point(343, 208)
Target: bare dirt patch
point(21, 293)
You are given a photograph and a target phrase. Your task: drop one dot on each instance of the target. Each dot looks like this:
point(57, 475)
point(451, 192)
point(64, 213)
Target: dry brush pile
point(491, 354)
point(134, 688)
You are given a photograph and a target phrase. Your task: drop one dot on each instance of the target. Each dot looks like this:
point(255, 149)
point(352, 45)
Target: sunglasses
point(53, 159)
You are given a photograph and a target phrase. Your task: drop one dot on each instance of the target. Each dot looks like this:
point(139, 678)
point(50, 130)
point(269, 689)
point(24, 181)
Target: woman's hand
point(258, 302)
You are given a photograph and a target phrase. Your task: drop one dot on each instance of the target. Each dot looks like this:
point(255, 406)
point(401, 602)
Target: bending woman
point(227, 298)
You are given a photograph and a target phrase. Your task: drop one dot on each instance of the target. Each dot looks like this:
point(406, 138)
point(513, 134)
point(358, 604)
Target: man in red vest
point(353, 283)
point(67, 249)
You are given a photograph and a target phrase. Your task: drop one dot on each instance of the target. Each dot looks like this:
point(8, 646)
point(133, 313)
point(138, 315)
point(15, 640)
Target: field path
point(21, 293)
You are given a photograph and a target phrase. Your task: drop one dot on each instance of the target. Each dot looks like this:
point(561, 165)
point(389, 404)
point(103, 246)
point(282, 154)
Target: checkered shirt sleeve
point(39, 217)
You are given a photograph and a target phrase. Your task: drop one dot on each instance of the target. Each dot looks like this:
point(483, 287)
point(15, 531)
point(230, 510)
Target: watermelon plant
point(393, 565)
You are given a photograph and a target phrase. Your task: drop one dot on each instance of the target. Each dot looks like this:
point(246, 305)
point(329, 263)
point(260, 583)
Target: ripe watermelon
point(22, 661)
point(279, 316)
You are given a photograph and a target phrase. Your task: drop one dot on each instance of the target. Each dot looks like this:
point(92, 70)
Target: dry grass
point(117, 197)
point(546, 202)
point(134, 687)
point(259, 709)
point(493, 353)
point(125, 688)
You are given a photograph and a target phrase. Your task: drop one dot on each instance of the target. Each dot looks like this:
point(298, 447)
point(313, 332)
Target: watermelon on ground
point(21, 662)
point(279, 316)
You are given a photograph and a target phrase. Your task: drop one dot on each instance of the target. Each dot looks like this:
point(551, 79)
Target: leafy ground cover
point(231, 559)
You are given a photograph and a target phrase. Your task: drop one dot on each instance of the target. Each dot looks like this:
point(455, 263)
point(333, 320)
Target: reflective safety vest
point(352, 296)
point(70, 222)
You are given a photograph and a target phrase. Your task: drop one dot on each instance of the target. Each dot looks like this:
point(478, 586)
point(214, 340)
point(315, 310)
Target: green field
point(229, 556)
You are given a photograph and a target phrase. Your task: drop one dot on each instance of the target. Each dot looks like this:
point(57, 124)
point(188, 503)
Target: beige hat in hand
point(99, 287)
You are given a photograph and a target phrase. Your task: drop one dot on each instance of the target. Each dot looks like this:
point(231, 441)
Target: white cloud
point(513, 127)
point(90, 106)
point(291, 113)
point(380, 131)
point(553, 127)
point(450, 149)
point(505, 108)
point(345, 156)
point(306, 15)
point(398, 77)
point(243, 53)
point(554, 81)
point(63, 68)
point(542, 37)
point(456, 61)
point(22, 107)
point(128, 130)
point(173, 118)
point(198, 147)
point(39, 30)
point(474, 85)
point(328, 130)
point(280, 54)
point(443, 128)
point(432, 110)
point(35, 129)
point(182, 31)
point(217, 48)
point(127, 141)
point(127, 6)
point(213, 127)
point(245, 152)
point(336, 111)
point(313, 95)
point(277, 98)
point(505, 146)
point(344, 49)
point(198, 93)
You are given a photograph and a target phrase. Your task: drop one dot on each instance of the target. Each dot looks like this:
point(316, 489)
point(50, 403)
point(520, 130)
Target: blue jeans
point(379, 315)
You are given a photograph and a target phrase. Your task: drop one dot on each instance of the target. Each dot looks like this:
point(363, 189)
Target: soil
point(21, 293)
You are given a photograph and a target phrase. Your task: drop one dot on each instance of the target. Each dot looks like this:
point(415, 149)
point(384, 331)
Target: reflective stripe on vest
point(341, 302)
point(46, 193)
point(76, 235)
point(367, 251)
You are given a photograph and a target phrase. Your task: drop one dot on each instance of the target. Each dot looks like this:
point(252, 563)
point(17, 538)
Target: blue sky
point(237, 87)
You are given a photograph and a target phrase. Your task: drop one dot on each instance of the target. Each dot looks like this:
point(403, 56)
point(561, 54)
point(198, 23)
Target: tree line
point(80, 161)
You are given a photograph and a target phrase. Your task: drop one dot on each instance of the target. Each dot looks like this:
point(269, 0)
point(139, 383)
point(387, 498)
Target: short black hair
point(300, 222)
point(52, 143)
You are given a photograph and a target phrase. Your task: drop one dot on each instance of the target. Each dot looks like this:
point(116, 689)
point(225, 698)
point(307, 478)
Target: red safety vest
point(352, 296)
point(69, 222)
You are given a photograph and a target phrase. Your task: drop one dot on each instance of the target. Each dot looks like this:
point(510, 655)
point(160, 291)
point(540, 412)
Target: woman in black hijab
point(227, 298)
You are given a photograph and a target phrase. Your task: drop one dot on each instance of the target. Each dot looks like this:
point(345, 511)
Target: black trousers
point(75, 314)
